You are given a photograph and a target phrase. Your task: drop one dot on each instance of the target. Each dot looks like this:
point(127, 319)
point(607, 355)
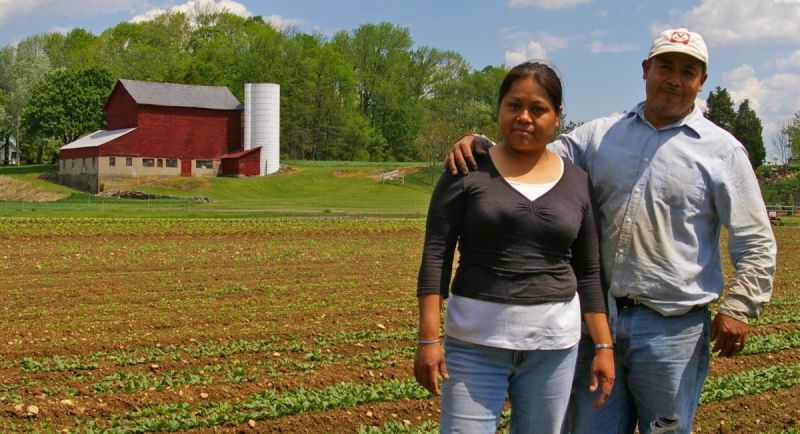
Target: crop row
point(394, 427)
point(772, 318)
point(750, 383)
point(142, 356)
point(273, 404)
point(768, 343)
point(77, 227)
point(756, 344)
point(785, 300)
point(266, 405)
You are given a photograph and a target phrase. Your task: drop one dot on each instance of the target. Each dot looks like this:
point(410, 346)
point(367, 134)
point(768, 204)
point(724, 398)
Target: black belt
point(626, 303)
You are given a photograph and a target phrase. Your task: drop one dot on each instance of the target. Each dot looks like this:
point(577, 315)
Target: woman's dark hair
point(539, 72)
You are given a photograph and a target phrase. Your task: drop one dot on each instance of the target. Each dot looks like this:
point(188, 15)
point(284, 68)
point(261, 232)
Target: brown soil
point(132, 288)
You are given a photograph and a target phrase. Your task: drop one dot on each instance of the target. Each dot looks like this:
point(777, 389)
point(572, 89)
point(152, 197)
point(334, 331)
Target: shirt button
point(637, 189)
point(628, 219)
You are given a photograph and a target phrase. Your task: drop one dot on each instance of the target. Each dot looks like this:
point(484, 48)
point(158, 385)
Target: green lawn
point(339, 188)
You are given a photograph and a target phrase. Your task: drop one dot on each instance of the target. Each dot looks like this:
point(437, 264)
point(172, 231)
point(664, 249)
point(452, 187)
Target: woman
point(528, 268)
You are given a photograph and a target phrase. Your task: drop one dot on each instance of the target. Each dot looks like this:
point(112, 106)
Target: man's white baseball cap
point(680, 41)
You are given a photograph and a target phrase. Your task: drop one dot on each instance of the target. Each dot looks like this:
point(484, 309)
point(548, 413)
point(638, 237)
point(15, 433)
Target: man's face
point(672, 81)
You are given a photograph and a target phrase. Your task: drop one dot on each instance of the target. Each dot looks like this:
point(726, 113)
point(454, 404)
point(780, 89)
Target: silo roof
point(181, 95)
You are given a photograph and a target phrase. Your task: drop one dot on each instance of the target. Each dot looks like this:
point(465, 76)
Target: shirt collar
point(691, 121)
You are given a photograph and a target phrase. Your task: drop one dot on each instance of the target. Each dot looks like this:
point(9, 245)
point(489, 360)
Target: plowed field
point(271, 325)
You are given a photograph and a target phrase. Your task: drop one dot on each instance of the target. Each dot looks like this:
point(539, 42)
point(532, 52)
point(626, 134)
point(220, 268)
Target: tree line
point(365, 95)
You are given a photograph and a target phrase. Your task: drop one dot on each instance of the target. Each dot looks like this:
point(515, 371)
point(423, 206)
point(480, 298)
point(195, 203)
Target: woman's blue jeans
point(537, 384)
point(661, 365)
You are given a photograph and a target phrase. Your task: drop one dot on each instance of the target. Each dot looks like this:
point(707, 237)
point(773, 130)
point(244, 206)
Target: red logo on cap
point(680, 37)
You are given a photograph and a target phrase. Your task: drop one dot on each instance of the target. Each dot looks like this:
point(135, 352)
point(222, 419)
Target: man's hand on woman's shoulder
point(462, 156)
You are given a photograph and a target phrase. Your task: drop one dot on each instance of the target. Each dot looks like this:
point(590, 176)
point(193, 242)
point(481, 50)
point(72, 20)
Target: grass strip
point(750, 383)
point(266, 405)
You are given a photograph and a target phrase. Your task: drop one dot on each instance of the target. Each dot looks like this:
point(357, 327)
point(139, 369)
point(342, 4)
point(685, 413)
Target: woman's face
point(527, 118)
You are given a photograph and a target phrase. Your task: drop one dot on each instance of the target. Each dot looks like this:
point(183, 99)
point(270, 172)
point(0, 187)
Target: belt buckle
point(625, 302)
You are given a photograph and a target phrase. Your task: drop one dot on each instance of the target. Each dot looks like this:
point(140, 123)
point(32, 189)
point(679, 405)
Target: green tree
point(720, 109)
point(5, 132)
point(782, 142)
point(791, 130)
point(567, 125)
point(153, 50)
point(321, 102)
point(380, 55)
point(748, 130)
point(68, 104)
point(21, 68)
point(80, 49)
point(434, 140)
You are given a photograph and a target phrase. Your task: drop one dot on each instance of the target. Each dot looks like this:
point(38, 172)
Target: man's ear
point(645, 68)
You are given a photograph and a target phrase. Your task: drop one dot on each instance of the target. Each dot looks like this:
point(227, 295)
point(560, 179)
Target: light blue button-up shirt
point(662, 197)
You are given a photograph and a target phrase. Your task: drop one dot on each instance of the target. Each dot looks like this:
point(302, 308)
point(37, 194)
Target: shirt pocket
point(683, 188)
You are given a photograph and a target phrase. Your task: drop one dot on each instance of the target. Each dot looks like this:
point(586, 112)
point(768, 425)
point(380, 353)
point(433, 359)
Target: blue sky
point(598, 45)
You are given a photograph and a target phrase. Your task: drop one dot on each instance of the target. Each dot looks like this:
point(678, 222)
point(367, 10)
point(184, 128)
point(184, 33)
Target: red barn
point(158, 129)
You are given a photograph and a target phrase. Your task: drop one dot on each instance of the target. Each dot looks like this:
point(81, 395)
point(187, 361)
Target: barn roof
point(240, 153)
point(181, 95)
point(97, 138)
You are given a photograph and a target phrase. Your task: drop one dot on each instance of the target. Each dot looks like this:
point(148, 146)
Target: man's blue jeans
point(661, 365)
point(538, 385)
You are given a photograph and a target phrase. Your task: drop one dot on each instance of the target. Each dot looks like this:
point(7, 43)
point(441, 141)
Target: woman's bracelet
point(604, 347)
point(427, 341)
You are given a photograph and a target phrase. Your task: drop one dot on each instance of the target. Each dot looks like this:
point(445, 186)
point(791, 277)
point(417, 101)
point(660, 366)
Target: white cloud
point(736, 23)
point(790, 63)
point(546, 4)
point(743, 83)
point(531, 51)
point(148, 15)
point(774, 98)
point(193, 8)
point(532, 46)
point(282, 23)
point(61, 29)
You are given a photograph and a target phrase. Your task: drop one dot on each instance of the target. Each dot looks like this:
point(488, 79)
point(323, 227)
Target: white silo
point(262, 123)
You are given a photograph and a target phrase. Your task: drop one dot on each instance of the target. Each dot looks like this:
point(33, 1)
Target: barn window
point(148, 162)
point(129, 161)
point(94, 161)
point(204, 164)
point(73, 162)
point(112, 161)
point(160, 162)
point(172, 162)
point(83, 162)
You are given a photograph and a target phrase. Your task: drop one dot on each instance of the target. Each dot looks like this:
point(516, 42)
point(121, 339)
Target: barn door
point(186, 167)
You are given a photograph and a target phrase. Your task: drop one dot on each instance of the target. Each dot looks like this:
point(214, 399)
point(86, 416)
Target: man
point(665, 180)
